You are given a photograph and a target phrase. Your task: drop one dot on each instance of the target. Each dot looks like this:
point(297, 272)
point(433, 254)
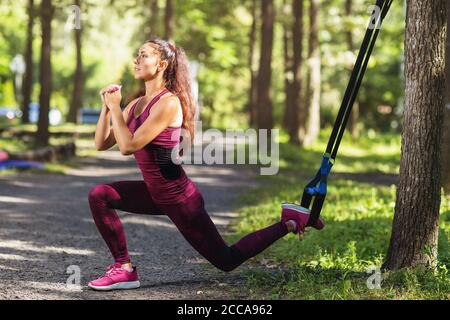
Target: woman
point(149, 127)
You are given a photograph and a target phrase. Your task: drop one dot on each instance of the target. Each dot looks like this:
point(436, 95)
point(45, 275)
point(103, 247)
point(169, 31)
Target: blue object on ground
point(20, 164)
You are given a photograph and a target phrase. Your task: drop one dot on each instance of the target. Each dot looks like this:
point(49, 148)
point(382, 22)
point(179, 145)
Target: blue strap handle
point(319, 183)
point(316, 190)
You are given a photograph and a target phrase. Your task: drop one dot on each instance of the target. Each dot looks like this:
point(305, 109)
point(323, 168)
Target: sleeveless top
point(166, 180)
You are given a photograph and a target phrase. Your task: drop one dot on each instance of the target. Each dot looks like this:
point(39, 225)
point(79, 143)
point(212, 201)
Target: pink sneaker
point(116, 278)
point(292, 211)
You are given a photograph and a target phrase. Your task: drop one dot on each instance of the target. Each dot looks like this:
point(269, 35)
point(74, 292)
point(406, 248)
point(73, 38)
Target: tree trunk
point(288, 72)
point(154, 18)
point(77, 93)
point(28, 78)
point(253, 63)
point(415, 227)
point(264, 101)
point(353, 123)
point(446, 141)
point(296, 129)
point(312, 106)
point(45, 76)
point(168, 21)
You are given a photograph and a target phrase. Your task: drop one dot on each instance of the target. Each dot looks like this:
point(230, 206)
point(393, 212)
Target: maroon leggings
point(190, 217)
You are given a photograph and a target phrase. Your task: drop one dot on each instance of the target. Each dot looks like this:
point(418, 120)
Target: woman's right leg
point(129, 196)
point(196, 226)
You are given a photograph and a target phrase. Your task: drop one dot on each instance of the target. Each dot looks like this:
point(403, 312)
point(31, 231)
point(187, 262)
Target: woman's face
point(148, 63)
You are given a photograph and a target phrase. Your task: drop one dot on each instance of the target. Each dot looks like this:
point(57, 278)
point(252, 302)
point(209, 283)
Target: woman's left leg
point(129, 196)
point(191, 218)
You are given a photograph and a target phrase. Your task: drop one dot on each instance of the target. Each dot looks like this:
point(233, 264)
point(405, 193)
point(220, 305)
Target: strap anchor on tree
point(316, 190)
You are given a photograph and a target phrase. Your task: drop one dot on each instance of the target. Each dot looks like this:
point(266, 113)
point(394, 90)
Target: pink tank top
point(166, 180)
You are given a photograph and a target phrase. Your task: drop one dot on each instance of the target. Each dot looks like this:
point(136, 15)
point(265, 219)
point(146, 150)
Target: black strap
point(357, 75)
point(318, 193)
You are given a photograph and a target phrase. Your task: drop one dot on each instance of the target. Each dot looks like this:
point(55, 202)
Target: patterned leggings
point(189, 216)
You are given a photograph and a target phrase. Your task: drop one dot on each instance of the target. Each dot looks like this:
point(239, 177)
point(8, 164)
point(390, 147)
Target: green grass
point(332, 263)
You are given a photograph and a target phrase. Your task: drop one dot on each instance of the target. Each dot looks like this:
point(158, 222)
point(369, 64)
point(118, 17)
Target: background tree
point(353, 121)
point(415, 227)
point(294, 74)
point(296, 130)
point(154, 18)
point(253, 65)
point(28, 77)
point(288, 41)
point(168, 21)
point(212, 34)
point(45, 76)
point(77, 92)
point(311, 116)
point(446, 140)
point(264, 102)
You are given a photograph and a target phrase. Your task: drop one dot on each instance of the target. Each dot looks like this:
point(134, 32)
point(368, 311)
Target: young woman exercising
point(150, 128)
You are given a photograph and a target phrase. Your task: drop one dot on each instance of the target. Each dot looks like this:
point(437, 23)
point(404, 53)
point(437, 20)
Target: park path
point(46, 226)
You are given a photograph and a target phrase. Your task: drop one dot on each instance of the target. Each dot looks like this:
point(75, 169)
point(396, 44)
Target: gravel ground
point(46, 226)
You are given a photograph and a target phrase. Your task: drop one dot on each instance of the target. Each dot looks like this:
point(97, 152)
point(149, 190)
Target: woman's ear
point(162, 65)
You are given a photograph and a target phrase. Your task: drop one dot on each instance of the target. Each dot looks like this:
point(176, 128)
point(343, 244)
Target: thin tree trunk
point(312, 106)
point(77, 93)
point(288, 72)
point(168, 21)
point(415, 227)
point(353, 123)
point(296, 128)
point(45, 76)
point(253, 63)
point(28, 77)
point(264, 102)
point(446, 141)
point(154, 18)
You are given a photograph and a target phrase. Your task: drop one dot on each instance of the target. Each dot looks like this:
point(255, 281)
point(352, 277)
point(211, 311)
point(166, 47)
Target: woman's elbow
point(126, 152)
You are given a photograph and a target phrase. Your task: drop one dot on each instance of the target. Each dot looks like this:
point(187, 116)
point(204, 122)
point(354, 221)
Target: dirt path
point(46, 226)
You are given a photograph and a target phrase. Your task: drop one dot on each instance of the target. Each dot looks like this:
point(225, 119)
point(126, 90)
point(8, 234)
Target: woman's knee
point(230, 260)
point(101, 192)
point(226, 267)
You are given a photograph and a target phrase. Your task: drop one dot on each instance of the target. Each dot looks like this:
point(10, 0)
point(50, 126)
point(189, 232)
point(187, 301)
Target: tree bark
point(446, 140)
point(77, 93)
point(288, 72)
point(28, 77)
point(45, 76)
point(264, 101)
point(295, 128)
point(154, 18)
point(168, 20)
point(312, 107)
point(415, 227)
point(253, 63)
point(353, 123)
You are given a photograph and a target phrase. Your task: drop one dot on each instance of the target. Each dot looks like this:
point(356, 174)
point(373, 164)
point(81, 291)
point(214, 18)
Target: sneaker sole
point(295, 207)
point(117, 286)
point(298, 208)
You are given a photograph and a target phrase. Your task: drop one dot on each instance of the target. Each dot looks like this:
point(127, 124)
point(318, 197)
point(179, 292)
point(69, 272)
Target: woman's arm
point(103, 130)
point(160, 117)
point(104, 134)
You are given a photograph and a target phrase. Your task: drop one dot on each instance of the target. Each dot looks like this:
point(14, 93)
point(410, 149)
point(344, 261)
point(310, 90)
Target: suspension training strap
point(317, 187)
point(357, 76)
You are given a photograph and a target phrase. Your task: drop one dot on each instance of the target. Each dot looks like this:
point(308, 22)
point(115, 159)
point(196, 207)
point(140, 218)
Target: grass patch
point(333, 263)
